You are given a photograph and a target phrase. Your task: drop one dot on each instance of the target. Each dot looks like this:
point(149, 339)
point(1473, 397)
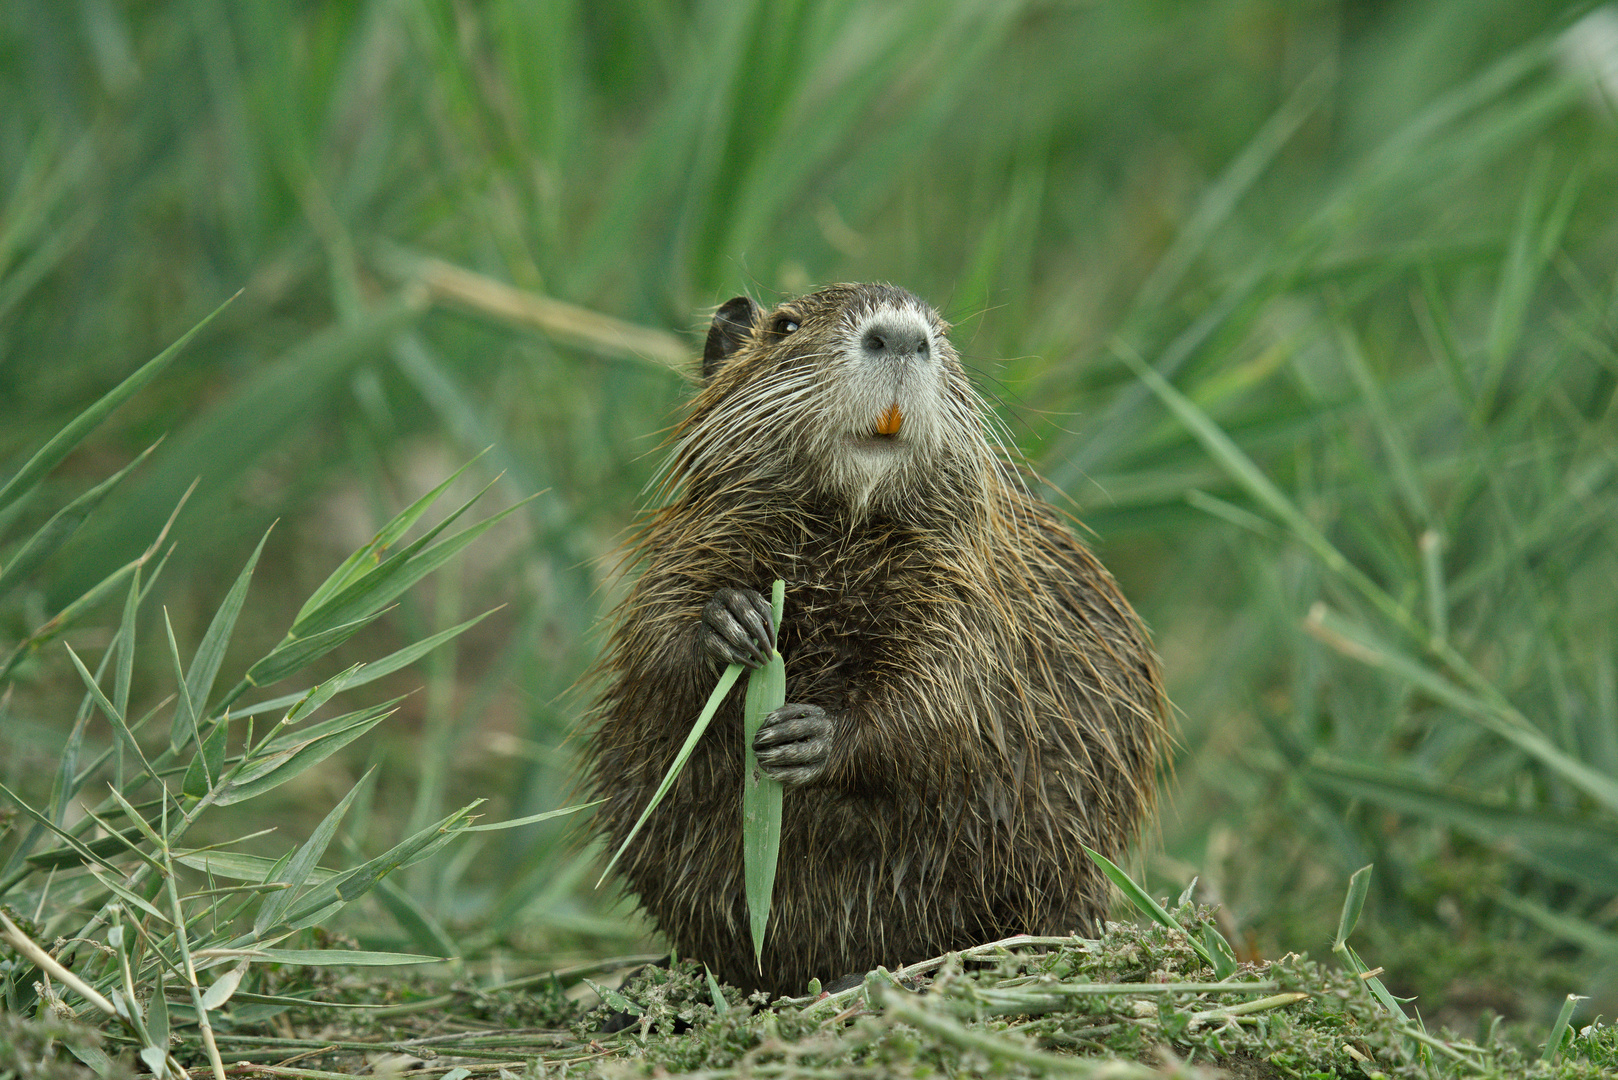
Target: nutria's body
point(969, 698)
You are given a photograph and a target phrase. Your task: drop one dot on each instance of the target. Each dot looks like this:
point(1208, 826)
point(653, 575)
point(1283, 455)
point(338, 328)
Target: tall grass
point(1309, 308)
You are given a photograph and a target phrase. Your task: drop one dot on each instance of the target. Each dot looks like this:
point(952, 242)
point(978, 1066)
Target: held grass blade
point(761, 796)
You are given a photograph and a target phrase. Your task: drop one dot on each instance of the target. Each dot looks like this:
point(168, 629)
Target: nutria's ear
point(732, 324)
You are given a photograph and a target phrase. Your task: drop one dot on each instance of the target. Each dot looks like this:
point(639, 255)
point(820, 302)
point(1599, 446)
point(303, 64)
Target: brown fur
point(997, 702)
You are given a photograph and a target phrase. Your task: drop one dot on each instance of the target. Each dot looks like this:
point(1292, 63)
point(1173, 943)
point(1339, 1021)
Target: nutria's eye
point(784, 325)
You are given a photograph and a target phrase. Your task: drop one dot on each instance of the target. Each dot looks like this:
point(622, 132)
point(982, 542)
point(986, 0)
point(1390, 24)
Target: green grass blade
point(184, 726)
point(306, 859)
point(210, 654)
point(1358, 885)
point(761, 796)
point(1378, 988)
point(343, 958)
point(222, 444)
point(1146, 905)
point(287, 756)
point(349, 886)
point(1503, 721)
point(1394, 442)
point(1219, 199)
point(1553, 1045)
point(726, 681)
point(361, 674)
point(366, 558)
point(1571, 846)
point(61, 527)
point(62, 444)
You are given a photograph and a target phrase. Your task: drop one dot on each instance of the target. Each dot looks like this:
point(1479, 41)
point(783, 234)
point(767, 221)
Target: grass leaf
point(289, 755)
point(211, 653)
point(1143, 903)
point(63, 442)
point(61, 527)
point(299, 870)
point(726, 681)
point(761, 796)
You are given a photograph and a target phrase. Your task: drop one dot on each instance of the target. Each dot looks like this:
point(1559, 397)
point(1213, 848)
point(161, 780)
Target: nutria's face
point(855, 389)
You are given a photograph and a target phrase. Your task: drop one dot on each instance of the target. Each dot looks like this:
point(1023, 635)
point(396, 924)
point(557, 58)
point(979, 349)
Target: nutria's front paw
point(793, 743)
point(736, 628)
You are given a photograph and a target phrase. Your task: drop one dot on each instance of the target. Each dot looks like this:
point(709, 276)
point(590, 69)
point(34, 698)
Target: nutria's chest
point(851, 611)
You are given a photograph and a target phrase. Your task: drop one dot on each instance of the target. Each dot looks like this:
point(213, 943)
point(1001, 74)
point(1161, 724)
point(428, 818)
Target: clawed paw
point(736, 628)
point(793, 744)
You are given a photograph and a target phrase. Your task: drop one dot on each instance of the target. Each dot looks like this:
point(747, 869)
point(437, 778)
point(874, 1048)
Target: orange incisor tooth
point(890, 421)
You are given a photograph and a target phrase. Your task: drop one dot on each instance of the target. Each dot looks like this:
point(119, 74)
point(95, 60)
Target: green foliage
point(135, 921)
point(1310, 308)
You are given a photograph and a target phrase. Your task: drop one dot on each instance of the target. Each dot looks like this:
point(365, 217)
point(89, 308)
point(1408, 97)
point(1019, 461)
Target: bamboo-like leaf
point(319, 694)
point(124, 673)
point(513, 823)
point(350, 885)
point(61, 527)
point(63, 442)
point(238, 866)
point(155, 1060)
point(365, 598)
point(224, 987)
point(368, 557)
point(294, 654)
point(360, 674)
point(83, 851)
point(111, 712)
point(199, 679)
point(415, 920)
point(208, 763)
point(761, 796)
point(59, 623)
point(185, 726)
point(373, 587)
point(288, 756)
point(300, 868)
point(726, 681)
point(157, 1016)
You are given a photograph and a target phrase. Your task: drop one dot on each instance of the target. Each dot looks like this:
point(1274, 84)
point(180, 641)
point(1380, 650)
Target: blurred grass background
point(1374, 244)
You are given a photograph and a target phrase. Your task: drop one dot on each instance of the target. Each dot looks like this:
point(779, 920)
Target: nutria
point(969, 698)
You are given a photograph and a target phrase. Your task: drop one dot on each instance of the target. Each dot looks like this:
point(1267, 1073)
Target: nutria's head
point(853, 393)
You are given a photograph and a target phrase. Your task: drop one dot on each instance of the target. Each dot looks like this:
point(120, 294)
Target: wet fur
point(998, 702)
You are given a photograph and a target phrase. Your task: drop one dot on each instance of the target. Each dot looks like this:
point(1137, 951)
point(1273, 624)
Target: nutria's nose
point(894, 337)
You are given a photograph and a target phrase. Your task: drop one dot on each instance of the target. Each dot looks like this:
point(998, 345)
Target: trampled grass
point(1310, 310)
